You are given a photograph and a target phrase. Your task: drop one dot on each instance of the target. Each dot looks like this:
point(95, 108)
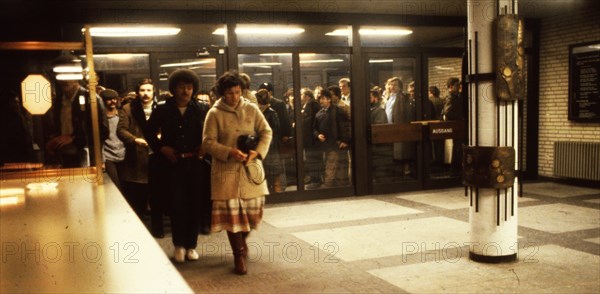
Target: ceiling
point(527, 8)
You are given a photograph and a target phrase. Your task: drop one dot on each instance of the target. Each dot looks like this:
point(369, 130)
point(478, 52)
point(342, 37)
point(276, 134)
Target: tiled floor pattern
point(409, 242)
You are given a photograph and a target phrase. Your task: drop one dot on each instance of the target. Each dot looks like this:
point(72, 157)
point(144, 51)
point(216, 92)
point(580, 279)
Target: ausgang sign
point(35, 90)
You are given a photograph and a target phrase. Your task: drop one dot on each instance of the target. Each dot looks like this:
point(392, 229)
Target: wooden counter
point(78, 237)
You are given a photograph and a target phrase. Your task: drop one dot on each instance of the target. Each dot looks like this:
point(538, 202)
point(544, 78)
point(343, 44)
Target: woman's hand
point(253, 154)
point(238, 155)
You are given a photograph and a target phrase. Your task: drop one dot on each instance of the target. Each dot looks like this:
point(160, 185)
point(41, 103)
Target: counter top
point(76, 237)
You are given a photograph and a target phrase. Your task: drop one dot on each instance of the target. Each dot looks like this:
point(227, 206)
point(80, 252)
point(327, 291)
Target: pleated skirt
point(237, 215)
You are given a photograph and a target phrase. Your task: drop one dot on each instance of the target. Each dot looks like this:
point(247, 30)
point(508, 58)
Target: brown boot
point(245, 236)
point(239, 252)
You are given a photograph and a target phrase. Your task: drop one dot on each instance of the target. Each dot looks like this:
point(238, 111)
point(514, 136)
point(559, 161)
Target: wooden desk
point(78, 237)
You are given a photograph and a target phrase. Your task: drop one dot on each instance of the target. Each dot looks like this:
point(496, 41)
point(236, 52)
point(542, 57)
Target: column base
point(492, 259)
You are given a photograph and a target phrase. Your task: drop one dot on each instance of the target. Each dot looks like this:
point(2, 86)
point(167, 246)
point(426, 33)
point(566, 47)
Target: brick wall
point(557, 33)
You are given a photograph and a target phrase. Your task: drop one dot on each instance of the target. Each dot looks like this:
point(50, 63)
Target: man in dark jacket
point(180, 121)
point(72, 141)
point(142, 172)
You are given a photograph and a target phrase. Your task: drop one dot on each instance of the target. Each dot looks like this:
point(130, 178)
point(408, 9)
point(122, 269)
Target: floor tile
point(558, 190)
point(447, 200)
point(595, 201)
point(539, 273)
point(593, 240)
point(335, 211)
point(389, 239)
point(559, 218)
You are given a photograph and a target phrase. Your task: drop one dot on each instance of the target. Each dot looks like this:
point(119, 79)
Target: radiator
point(578, 160)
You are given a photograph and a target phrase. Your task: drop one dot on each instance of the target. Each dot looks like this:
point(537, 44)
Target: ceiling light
point(67, 68)
point(384, 32)
point(250, 64)
point(266, 30)
point(263, 74)
point(133, 31)
point(69, 76)
point(5, 192)
point(269, 30)
point(181, 64)
point(339, 32)
point(220, 31)
point(380, 60)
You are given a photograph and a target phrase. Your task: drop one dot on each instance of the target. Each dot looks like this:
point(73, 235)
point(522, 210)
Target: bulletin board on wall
point(584, 82)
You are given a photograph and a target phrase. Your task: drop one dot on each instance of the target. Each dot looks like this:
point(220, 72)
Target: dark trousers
point(136, 195)
point(112, 170)
point(188, 182)
point(159, 194)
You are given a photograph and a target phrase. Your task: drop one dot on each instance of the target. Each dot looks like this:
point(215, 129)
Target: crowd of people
point(207, 160)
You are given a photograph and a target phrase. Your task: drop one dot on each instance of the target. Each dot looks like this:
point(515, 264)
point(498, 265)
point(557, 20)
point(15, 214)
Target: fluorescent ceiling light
point(595, 46)
point(322, 61)
point(67, 68)
point(267, 30)
point(380, 60)
point(261, 64)
point(187, 63)
point(384, 32)
point(339, 32)
point(208, 76)
point(133, 31)
point(69, 76)
point(5, 192)
point(263, 74)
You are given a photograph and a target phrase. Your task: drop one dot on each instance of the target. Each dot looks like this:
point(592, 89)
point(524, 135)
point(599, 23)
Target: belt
point(188, 155)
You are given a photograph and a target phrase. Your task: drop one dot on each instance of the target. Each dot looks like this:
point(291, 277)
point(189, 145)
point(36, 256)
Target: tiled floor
point(409, 242)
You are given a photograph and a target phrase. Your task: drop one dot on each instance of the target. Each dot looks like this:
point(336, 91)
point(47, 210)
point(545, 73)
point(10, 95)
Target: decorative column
point(490, 161)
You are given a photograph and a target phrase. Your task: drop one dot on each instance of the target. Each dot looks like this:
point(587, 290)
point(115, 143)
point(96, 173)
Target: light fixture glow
point(380, 60)
point(69, 76)
point(187, 63)
point(322, 61)
point(5, 192)
point(443, 68)
point(263, 74)
point(339, 32)
point(267, 30)
point(270, 30)
point(133, 31)
point(67, 68)
point(259, 64)
point(384, 32)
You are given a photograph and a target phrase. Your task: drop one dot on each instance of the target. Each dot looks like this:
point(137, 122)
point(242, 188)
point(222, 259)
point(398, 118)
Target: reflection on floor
point(408, 242)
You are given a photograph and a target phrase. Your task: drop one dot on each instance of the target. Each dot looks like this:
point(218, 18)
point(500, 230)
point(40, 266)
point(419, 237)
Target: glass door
point(208, 65)
point(395, 133)
point(446, 132)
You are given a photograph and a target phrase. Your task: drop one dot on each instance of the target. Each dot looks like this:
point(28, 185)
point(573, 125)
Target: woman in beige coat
point(237, 178)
